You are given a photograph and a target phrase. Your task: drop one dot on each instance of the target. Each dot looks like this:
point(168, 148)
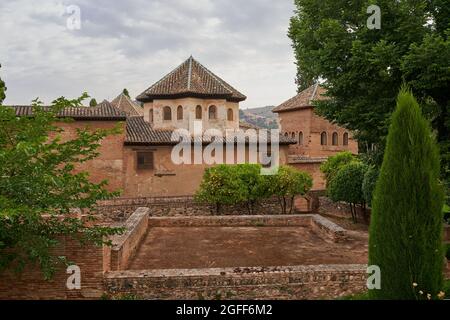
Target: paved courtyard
point(213, 247)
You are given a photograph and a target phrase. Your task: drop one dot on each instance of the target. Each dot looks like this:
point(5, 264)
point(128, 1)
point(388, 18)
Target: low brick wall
point(340, 209)
point(324, 227)
point(30, 284)
point(124, 246)
point(118, 210)
point(294, 282)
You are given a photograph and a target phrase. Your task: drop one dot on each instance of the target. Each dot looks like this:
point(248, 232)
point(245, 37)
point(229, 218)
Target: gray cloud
point(134, 43)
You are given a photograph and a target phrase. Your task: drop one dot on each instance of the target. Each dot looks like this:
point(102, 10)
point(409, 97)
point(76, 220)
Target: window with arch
point(293, 135)
point(230, 115)
point(167, 113)
point(180, 113)
point(212, 112)
point(198, 112)
point(334, 139)
point(323, 139)
point(286, 134)
point(300, 138)
point(345, 139)
point(150, 116)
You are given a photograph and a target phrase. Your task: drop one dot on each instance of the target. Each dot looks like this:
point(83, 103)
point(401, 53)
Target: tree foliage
point(331, 167)
point(125, 92)
point(288, 183)
point(221, 186)
point(364, 69)
point(369, 182)
point(2, 89)
point(92, 102)
point(347, 185)
point(39, 186)
point(244, 184)
point(406, 225)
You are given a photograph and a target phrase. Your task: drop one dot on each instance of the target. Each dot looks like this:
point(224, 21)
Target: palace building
point(315, 137)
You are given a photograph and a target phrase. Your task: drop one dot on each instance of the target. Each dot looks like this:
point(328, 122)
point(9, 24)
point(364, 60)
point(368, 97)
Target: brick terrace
point(219, 247)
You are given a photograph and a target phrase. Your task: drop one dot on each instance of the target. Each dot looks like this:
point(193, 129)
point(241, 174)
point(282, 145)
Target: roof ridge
point(221, 82)
point(190, 73)
point(314, 92)
point(166, 76)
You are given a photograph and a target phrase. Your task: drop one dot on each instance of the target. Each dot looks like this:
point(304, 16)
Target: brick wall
point(322, 226)
point(121, 209)
point(30, 284)
point(124, 246)
point(294, 282)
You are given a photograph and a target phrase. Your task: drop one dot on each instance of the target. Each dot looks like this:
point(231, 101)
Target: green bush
point(244, 184)
point(369, 182)
point(288, 183)
point(253, 185)
point(331, 167)
point(220, 186)
point(346, 186)
point(406, 223)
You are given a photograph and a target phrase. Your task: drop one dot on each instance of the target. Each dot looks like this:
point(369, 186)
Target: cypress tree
point(406, 228)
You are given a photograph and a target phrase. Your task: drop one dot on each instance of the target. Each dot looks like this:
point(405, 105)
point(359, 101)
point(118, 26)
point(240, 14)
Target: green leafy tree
point(346, 186)
point(39, 187)
point(369, 182)
point(2, 89)
point(220, 186)
point(92, 102)
point(288, 183)
point(331, 167)
point(406, 224)
point(253, 185)
point(364, 69)
point(125, 92)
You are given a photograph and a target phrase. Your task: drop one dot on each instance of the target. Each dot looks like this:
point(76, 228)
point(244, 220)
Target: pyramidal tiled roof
point(191, 79)
point(102, 111)
point(304, 99)
point(128, 106)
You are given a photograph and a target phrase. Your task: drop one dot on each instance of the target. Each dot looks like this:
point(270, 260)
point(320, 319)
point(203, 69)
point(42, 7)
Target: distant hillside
point(261, 117)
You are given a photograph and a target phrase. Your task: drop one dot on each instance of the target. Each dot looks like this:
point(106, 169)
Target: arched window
point(150, 116)
point(345, 139)
point(300, 138)
point(230, 115)
point(212, 112)
point(286, 134)
point(335, 139)
point(198, 112)
point(180, 113)
point(167, 113)
point(323, 139)
point(293, 135)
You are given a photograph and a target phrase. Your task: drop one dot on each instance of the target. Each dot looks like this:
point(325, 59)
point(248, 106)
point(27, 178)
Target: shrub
point(369, 182)
point(220, 186)
point(288, 183)
point(331, 167)
point(253, 185)
point(406, 224)
point(346, 186)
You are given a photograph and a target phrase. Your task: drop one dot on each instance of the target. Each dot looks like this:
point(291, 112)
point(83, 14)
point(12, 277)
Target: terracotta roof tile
point(303, 100)
point(140, 132)
point(191, 79)
point(102, 111)
point(128, 106)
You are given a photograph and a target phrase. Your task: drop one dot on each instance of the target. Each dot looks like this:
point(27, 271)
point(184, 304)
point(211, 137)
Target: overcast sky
point(134, 43)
